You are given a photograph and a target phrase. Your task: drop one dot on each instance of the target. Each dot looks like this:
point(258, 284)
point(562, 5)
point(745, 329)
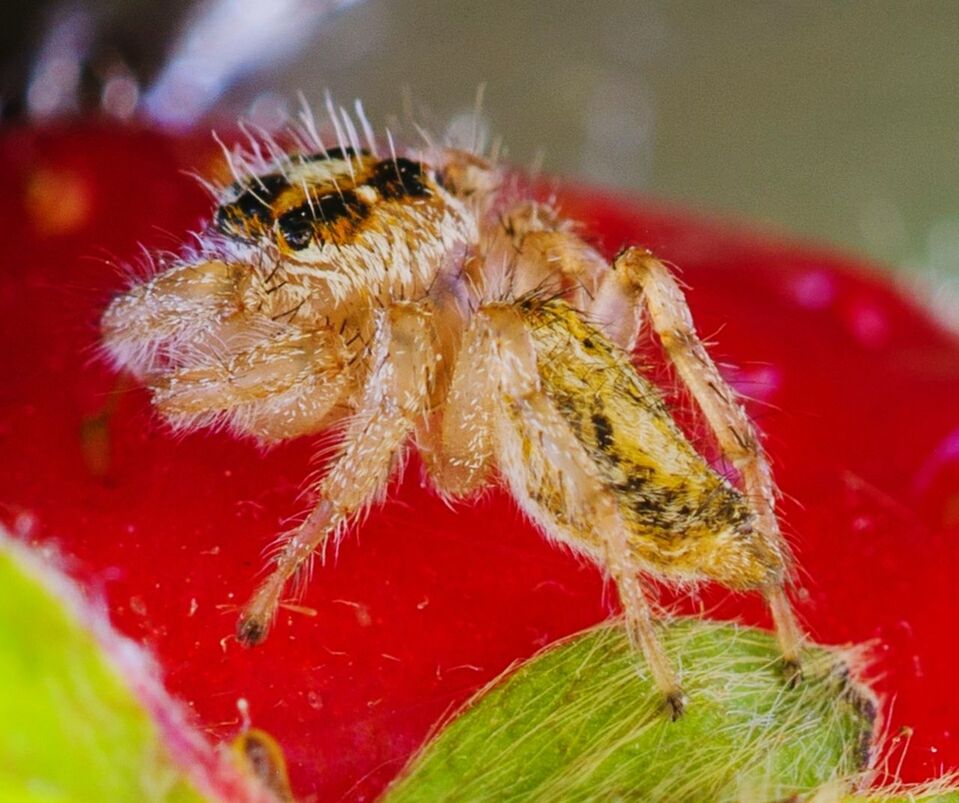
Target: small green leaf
point(70, 728)
point(579, 722)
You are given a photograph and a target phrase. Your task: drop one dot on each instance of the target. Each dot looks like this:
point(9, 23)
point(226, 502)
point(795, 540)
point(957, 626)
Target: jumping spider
point(420, 297)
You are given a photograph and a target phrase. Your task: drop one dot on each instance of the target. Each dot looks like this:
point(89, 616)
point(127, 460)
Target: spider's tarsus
point(675, 704)
point(792, 671)
point(251, 631)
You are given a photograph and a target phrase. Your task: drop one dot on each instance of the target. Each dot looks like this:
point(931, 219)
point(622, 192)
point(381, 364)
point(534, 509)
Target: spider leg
point(554, 480)
point(401, 361)
point(281, 387)
point(639, 278)
point(180, 305)
point(536, 250)
point(457, 446)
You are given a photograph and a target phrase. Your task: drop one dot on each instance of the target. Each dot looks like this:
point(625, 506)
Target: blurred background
point(836, 122)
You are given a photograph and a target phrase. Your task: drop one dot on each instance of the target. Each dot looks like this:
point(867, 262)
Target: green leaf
point(579, 722)
point(70, 728)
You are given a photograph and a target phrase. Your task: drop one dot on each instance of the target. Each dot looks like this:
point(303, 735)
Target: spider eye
point(296, 227)
point(335, 217)
point(399, 178)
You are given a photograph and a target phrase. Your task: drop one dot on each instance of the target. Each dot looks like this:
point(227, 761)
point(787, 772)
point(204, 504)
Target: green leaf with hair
point(579, 722)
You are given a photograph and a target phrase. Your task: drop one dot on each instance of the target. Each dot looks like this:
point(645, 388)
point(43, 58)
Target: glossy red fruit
point(854, 385)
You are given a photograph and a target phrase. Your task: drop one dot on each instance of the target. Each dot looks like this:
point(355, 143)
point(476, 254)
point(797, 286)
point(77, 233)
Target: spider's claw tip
point(675, 704)
point(792, 671)
point(251, 631)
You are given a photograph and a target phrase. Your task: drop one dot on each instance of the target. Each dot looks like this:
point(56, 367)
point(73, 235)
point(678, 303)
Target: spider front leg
point(554, 480)
point(639, 279)
point(286, 385)
point(401, 358)
point(183, 304)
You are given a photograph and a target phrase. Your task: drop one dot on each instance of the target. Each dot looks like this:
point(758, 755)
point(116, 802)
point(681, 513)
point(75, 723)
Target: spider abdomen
point(683, 518)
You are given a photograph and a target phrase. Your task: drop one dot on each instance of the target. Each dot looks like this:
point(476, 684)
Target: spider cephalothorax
point(419, 299)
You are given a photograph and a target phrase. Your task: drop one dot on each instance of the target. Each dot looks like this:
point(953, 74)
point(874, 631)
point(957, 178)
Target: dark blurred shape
point(121, 58)
point(129, 37)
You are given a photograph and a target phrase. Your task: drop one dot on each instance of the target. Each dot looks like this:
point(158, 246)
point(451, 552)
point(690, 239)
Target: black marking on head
point(299, 226)
point(398, 178)
point(252, 206)
point(336, 205)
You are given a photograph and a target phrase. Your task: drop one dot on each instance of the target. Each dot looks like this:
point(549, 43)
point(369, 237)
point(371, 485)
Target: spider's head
point(319, 200)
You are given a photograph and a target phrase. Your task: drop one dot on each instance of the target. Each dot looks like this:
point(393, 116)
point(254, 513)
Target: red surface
point(855, 387)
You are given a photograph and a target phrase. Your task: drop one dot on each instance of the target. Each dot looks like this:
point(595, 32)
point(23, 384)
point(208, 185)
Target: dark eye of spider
point(297, 227)
point(398, 178)
point(321, 218)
